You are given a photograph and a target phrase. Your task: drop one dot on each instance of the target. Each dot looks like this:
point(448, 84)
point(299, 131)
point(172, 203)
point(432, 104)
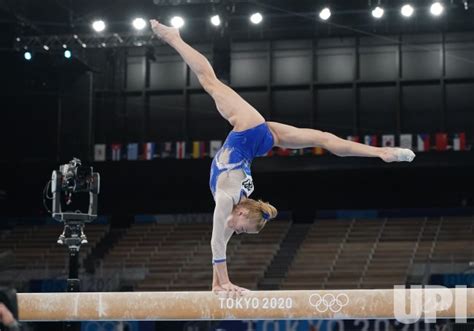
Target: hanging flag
point(370, 140)
point(406, 141)
point(132, 151)
point(441, 141)
point(388, 140)
point(280, 151)
point(166, 150)
point(353, 138)
point(295, 152)
point(318, 151)
point(181, 150)
point(203, 152)
point(423, 142)
point(116, 152)
point(99, 152)
point(149, 150)
point(459, 141)
point(196, 150)
point(214, 147)
point(308, 150)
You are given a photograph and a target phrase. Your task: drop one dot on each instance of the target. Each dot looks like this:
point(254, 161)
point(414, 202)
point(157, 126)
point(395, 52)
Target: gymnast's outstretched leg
point(240, 114)
point(288, 136)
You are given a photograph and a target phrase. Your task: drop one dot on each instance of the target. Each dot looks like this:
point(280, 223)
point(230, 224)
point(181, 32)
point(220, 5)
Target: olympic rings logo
point(329, 302)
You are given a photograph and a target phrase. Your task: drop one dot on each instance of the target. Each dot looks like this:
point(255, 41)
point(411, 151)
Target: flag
point(99, 152)
point(132, 151)
point(294, 152)
point(116, 152)
point(459, 141)
point(166, 150)
point(441, 141)
point(281, 151)
point(308, 151)
point(353, 138)
point(149, 150)
point(180, 149)
point(318, 151)
point(388, 140)
point(203, 151)
point(406, 140)
point(214, 147)
point(423, 142)
point(370, 140)
point(197, 150)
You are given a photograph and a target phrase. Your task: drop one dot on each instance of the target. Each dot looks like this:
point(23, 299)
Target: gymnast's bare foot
point(165, 33)
point(395, 154)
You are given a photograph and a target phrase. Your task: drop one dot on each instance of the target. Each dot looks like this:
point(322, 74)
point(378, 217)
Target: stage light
point(27, 56)
point(64, 46)
point(139, 23)
point(325, 14)
point(256, 18)
point(46, 47)
point(407, 10)
point(436, 8)
point(216, 20)
point(98, 26)
point(67, 54)
point(377, 12)
point(18, 39)
point(177, 22)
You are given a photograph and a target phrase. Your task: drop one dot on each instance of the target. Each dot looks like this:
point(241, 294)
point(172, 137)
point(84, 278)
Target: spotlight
point(325, 14)
point(407, 10)
point(46, 47)
point(98, 26)
point(27, 56)
point(256, 18)
point(64, 46)
point(377, 12)
point(466, 5)
point(139, 23)
point(216, 20)
point(177, 22)
point(84, 46)
point(67, 54)
point(436, 8)
point(18, 39)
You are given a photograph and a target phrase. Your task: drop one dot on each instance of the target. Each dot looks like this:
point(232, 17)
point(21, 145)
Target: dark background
point(350, 76)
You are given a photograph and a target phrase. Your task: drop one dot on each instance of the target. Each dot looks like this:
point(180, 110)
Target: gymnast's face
point(239, 221)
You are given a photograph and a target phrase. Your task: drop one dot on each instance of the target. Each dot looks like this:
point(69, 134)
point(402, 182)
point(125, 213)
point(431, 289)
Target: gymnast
point(230, 180)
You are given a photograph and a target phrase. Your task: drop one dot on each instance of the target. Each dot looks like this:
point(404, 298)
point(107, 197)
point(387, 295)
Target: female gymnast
point(231, 181)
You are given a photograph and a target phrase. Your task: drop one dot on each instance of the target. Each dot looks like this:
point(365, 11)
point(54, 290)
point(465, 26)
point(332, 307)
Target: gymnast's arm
point(221, 234)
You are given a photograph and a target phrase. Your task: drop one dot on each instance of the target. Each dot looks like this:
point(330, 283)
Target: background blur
point(128, 105)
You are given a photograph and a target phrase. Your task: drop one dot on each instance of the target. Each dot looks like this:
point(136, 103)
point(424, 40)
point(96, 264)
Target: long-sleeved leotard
point(231, 179)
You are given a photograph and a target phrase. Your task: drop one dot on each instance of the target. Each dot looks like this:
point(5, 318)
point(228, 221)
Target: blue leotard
point(242, 147)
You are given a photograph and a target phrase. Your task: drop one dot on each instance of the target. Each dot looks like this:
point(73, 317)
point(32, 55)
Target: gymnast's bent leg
point(288, 136)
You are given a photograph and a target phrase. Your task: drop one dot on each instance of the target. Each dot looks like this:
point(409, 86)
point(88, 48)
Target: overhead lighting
point(436, 8)
point(67, 54)
point(177, 22)
point(407, 10)
point(256, 18)
point(27, 56)
point(216, 20)
point(46, 47)
point(98, 26)
point(377, 12)
point(18, 39)
point(139, 23)
point(325, 14)
point(64, 46)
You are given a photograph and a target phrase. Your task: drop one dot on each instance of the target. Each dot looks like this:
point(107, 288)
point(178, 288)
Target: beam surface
point(253, 305)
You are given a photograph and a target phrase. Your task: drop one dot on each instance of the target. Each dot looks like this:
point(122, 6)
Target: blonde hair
point(259, 212)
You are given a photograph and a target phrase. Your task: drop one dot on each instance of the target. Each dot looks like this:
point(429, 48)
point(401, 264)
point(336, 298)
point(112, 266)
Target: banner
point(116, 152)
point(406, 140)
point(370, 140)
point(388, 140)
point(441, 141)
point(181, 150)
point(99, 152)
point(459, 141)
point(149, 151)
point(354, 138)
point(423, 142)
point(214, 147)
point(132, 151)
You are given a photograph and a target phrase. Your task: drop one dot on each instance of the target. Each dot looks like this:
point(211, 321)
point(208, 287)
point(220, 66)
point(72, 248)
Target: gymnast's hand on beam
point(395, 154)
point(166, 33)
point(231, 290)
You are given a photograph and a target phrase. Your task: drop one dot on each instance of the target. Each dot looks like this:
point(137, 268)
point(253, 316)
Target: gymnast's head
point(250, 216)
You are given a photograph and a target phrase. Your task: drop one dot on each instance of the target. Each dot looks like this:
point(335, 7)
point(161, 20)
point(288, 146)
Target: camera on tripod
point(73, 178)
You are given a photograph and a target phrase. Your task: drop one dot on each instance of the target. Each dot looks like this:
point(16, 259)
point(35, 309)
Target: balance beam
point(254, 305)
